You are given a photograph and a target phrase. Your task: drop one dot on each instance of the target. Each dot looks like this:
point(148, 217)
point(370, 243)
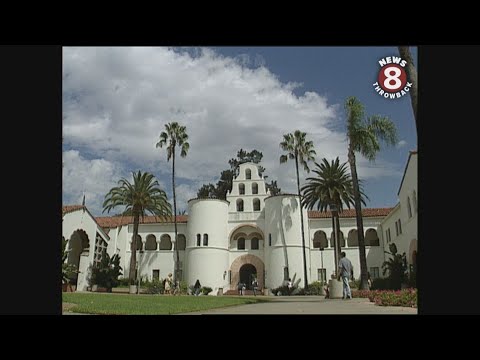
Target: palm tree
point(364, 134)
point(140, 197)
point(333, 185)
point(411, 76)
point(302, 151)
point(174, 135)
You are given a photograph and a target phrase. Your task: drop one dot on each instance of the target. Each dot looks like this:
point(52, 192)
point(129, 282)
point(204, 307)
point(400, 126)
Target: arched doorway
point(78, 243)
point(248, 272)
point(243, 267)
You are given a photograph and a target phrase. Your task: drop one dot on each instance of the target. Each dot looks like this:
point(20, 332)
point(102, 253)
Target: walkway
point(299, 305)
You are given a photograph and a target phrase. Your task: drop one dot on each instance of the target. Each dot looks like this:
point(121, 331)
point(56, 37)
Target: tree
point(207, 191)
point(273, 187)
point(396, 267)
point(302, 152)
point(68, 270)
point(364, 135)
point(139, 198)
point(411, 76)
point(174, 135)
point(333, 185)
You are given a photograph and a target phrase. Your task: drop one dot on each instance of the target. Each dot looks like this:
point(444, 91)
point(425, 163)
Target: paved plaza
point(299, 305)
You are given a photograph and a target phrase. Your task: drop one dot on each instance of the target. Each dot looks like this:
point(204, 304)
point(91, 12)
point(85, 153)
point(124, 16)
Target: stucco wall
point(282, 221)
point(208, 263)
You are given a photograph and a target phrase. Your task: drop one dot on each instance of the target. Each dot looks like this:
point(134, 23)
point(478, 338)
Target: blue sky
point(117, 100)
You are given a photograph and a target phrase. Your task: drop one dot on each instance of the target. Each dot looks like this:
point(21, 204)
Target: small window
point(409, 208)
point(374, 272)
point(229, 276)
point(156, 274)
point(396, 227)
point(254, 188)
point(322, 275)
point(198, 239)
point(256, 205)
point(241, 189)
point(399, 226)
point(269, 239)
point(248, 174)
point(239, 205)
point(285, 274)
point(254, 244)
point(205, 239)
point(415, 202)
point(241, 244)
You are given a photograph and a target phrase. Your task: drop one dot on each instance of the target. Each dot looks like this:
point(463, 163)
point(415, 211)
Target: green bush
point(315, 288)
point(183, 287)
point(123, 282)
point(105, 274)
point(381, 284)
point(206, 290)
point(154, 287)
point(281, 291)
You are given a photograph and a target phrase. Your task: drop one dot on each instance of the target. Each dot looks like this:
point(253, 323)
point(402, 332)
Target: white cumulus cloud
point(117, 100)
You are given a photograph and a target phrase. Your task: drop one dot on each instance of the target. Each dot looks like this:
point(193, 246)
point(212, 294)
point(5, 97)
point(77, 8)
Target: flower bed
point(405, 297)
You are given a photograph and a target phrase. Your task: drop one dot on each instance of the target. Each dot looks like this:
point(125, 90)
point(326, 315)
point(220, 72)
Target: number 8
point(389, 77)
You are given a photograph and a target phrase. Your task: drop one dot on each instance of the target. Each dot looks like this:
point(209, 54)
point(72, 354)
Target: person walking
point(255, 287)
point(345, 270)
point(197, 287)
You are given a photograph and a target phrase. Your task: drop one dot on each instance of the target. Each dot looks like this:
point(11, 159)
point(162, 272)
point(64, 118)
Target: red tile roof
point(114, 221)
point(71, 208)
point(351, 213)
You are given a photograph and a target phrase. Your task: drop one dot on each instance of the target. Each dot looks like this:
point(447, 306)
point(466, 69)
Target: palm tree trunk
point(301, 221)
point(339, 243)
point(358, 214)
point(133, 257)
point(335, 252)
point(411, 76)
point(177, 263)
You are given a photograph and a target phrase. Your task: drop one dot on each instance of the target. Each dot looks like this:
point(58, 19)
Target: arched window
point(239, 205)
point(139, 243)
point(256, 205)
point(198, 239)
point(254, 188)
point(205, 239)
point(181, 240)
point(320, 240)
point(254, 243)
point(165, 242)
point(151, 243)
point(415, 201)
point(241, 189)
point(352, 239)
point(371, 238)
point(248, 174)
point(341, 238)
point(241, 244)
point(409, 208)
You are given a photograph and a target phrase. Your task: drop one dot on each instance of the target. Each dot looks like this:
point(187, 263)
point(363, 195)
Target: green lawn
point(122, 304)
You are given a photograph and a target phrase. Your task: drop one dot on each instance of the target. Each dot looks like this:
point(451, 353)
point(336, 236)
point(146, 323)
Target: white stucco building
point(250, 234)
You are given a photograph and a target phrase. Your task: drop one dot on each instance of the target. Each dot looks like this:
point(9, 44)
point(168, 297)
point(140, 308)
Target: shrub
point(406, 297)
point(183, 287)
point(381, 284)
point(123, 282)
point(154, 287)
point(281, 290)
point(315, 288)
point(105, 274)
point(206, 290)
